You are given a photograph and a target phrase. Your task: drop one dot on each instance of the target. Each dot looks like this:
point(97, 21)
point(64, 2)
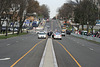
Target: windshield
point(57, 33)
point(42, 33)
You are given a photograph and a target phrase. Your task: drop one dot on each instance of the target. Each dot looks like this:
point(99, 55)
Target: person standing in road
point(49, 34)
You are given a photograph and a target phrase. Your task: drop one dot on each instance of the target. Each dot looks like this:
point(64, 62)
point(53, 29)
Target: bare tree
point(33, 6)
point(4, 6)
point(21, 14)
point(86, 13)
point(66, 10)
point(44, 11)
point(4, 11)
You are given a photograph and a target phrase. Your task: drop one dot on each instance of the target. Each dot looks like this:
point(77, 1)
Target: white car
point(15, 29)
point(57, 35)
point(62, 33)
point(42, 35)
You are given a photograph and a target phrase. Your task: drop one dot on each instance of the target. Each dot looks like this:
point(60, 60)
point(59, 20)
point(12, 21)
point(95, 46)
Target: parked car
point(68, 32)
point(63, 33)
point(83, 32)
point(42, 35)
point(57, 35)
point(15, 29)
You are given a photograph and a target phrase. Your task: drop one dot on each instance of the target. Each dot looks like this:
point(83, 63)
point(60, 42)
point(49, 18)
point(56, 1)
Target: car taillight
point(54, 35)
point(60, 35)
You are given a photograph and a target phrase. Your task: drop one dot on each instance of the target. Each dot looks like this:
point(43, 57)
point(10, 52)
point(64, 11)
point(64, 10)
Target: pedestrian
point(49, 34)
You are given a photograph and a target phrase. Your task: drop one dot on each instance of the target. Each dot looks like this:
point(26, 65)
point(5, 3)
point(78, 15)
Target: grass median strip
point(26, 54)
point(70, 54)
point(11, 35)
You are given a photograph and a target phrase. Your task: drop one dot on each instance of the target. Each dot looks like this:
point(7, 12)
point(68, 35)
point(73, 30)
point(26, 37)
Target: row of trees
point(16, 10)
point(42, 10)
point(84, 12)
point(7, 6)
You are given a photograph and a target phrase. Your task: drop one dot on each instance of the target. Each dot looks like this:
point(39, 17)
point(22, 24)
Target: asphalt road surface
point(27, 50)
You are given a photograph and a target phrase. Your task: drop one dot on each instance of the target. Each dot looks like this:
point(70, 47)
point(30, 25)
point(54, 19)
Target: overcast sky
point(53, 5)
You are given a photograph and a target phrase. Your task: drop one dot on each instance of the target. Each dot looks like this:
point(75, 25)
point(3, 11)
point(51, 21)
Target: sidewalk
point(48, 58)
point(87, 37)
point(8, 33)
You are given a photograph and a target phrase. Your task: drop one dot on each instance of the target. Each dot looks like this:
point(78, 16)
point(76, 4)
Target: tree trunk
point(92, 29)
point(78, 27)
point(82, 27)
point(6, 28)
point(0, 26)
point(87, 28)
point(21, 24)
point(13, 26)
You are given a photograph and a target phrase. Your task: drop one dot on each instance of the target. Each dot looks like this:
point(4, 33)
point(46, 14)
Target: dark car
point(68, 32)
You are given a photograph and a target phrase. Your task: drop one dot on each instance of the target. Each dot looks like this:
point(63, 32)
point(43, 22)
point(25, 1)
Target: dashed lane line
point(4, 59)
point(91, 49)
point(8, 44)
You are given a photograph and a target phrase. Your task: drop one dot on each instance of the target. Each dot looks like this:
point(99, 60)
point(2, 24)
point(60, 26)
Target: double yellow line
point(70, 54)
point(26, 53)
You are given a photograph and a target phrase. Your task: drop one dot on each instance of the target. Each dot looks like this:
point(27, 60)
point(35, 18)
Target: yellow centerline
point(26, 53)
point(70, 54)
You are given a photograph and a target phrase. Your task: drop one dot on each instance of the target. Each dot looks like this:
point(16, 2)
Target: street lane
point(70, 51)
point(33, 58)
point(63, 58)
point(83, 55)
point(17, 49)
point(89, 54)
point(86, 53)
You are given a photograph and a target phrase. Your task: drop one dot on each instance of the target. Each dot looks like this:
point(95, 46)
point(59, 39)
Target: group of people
point(97, 34)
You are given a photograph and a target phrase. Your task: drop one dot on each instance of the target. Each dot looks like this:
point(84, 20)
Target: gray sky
point(53, 5)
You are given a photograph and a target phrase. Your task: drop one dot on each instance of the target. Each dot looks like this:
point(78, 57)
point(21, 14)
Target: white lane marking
point(5, 59)
point(16, 41)
point(42, 60)
point(83, 45)
point(54, 56)
point(8, 44)
point(90, 48)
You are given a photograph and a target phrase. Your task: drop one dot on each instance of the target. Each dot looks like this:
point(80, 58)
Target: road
point(27, 50)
